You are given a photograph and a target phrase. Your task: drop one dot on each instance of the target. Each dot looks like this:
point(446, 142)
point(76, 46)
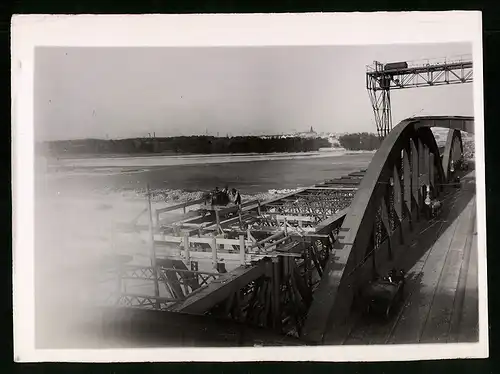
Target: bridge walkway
point(440, 302)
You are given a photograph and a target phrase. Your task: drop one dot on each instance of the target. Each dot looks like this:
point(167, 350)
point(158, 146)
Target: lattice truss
point(319, 205)
point(413, 184)
point(281, 298)
point(177, 285)
point(380, 81)
point(421, 76)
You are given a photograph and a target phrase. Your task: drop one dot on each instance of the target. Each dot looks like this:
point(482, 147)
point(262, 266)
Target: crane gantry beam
point(382, 78)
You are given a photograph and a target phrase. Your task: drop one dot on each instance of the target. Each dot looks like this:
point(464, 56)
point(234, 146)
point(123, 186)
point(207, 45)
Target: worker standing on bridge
point(235, 197)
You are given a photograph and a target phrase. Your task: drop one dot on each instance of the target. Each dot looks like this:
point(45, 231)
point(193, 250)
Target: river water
point(249, 174)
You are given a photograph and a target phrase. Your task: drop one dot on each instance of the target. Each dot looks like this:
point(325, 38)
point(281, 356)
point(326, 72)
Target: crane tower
point(382, 78)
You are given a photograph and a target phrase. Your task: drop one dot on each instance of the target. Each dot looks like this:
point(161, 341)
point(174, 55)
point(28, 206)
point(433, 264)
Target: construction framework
point(382, 78)
point(292, 265)
point(258, 263)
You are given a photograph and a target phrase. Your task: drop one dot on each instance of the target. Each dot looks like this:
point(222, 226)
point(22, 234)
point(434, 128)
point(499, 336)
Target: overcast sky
point(129, 92)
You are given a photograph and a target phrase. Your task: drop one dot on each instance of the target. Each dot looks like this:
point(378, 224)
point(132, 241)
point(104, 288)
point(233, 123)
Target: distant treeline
point(359, 141)
point(185, 145)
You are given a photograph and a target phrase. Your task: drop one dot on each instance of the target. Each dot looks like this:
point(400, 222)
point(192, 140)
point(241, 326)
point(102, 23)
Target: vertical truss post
point(214, 252)
point(242, 250)
point(186, 249)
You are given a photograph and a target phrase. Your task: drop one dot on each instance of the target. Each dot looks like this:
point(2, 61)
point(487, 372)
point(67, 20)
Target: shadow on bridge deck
point(441, 300)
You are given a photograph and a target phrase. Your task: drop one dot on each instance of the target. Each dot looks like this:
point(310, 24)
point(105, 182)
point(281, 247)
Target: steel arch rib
point(334, 295)
point(447, 155)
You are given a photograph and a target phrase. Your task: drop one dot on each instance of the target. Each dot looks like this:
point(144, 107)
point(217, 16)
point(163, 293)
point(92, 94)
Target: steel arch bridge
point(305, 256)
point(384, 213)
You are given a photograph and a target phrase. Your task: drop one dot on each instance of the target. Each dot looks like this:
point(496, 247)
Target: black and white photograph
point(247, 185)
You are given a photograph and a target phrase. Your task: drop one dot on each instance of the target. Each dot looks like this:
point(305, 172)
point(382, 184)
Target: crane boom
point(382, 78)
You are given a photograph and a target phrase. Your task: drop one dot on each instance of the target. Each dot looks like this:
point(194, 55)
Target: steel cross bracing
point(382, 78)
point(279, 248)
point(318, 204)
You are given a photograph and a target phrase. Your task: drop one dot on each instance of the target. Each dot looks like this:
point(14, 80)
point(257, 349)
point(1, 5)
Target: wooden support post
point(184, 208)
point(152, 247)
point(217, 220)
point(242, 250)
point(214, 252)
point(258, 208)
point(186, 248)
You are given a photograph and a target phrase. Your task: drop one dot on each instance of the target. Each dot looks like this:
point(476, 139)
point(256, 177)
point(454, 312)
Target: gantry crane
point(382, 78)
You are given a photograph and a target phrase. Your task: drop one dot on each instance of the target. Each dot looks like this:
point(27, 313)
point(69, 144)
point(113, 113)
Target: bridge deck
point(441, 302)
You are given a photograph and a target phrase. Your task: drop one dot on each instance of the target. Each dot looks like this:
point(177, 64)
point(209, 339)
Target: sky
point(86, 92)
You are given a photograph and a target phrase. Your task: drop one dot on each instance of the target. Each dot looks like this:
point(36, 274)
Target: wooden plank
point(346, 181)
point(180, 206)
point(222, 255)
point(235, 208)
point(288, 217)
point(357, 174)
point(219, 290)
point(469, 324)
point(456, 317)
point(196, 255)
point(416, 310)
point(166, 239)
point(230, 221)
point(437, 326)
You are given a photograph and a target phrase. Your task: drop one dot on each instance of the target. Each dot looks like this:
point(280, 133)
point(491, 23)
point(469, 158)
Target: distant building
point(309, 134)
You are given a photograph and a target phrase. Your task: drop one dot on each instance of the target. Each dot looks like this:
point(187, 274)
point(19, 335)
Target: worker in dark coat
point(235, 197)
